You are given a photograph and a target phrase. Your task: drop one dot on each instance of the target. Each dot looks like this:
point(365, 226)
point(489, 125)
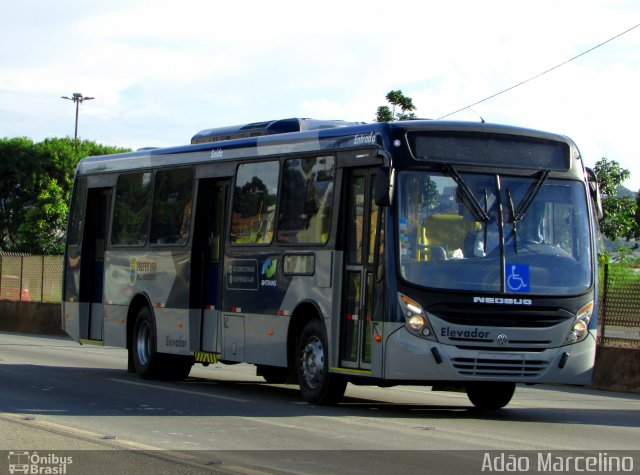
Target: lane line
point(178, 390)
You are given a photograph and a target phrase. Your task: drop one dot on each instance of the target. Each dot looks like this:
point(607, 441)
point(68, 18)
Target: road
point(59, 395)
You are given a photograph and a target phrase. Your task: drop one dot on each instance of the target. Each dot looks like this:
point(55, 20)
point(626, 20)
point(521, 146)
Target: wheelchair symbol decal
point(518, 278)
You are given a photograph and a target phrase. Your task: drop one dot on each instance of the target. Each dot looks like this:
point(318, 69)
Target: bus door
point(208, 258)
point(92, 267)
point(359, 288)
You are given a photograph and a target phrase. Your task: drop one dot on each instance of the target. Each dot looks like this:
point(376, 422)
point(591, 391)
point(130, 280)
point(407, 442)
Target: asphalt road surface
point(58, 397)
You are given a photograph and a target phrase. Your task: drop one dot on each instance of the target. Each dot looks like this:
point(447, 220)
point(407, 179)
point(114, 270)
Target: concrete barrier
point(31, 317)
point(616, 369)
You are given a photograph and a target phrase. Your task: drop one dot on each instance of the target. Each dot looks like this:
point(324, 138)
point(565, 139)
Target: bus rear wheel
point(317, 385)
point(490, 396)
point(145, 357)
point(148, 363)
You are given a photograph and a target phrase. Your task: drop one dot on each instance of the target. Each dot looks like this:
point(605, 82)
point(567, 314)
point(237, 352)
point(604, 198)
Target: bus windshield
point(513, 234)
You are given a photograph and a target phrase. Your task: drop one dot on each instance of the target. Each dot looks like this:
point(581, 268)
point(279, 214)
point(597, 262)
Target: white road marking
point(178, 390)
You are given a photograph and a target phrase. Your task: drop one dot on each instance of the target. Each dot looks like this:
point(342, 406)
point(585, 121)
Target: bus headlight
point(580, 324)
point(415, 317)
point(416, 322)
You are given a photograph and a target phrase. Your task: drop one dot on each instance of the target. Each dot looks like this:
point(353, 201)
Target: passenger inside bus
point(487, 238)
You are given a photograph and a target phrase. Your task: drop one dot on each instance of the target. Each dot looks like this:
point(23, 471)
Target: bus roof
point(315, 136)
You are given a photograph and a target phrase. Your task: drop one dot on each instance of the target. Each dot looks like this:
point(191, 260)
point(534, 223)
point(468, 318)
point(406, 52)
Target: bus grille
point(521, 368)
point(496, 316)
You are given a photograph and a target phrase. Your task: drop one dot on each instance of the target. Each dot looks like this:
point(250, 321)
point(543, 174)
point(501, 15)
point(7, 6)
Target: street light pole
point(78, 99)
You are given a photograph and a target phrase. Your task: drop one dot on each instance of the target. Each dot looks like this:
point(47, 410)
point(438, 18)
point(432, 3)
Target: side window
point(172, 204)
point(131, 211)
point(254, 203)
point(307, 200)
point(76, 223)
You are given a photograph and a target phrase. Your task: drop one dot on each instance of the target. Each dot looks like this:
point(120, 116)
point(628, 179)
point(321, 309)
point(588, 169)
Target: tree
point(19, 171)
point(43, 228)
point(35, 189)
point(636, 230)
point(396, 99)
point(618, 212)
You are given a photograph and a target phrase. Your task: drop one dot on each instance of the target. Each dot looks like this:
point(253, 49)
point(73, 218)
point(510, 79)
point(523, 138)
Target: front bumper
point(410, 358)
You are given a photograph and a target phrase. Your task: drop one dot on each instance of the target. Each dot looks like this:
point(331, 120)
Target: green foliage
point(384, 114)
point(625, 255)
point(396, 99)
point(42, 231)
point(603, 259)
point(35, 189)
point(610, 174)
point(619, 218)
point(635, 234)
point(18, 168)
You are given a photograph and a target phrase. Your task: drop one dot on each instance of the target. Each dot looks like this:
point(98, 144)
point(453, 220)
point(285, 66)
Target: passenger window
point(172, 204)
point(307, 200)
point(131, 212)
point(254, 203)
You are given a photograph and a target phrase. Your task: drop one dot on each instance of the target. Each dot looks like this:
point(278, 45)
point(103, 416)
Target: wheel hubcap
point(143, 343)
point(313, 362)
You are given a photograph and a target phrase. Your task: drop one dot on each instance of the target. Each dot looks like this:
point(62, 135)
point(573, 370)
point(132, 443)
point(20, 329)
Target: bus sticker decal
point(365, 139)
point(518, 278)
point(141, 269)
point(269, 267)
point(132, 270)
point(242, 274)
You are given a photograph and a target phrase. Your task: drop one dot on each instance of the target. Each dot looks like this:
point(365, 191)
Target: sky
point(160, 71)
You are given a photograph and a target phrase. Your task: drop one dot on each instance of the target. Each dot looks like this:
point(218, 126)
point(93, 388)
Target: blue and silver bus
point(455, 255)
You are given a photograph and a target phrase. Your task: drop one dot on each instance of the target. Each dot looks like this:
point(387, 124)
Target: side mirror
point(383, 187)
point(594, 189)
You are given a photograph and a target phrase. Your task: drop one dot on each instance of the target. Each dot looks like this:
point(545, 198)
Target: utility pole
point(78, 98)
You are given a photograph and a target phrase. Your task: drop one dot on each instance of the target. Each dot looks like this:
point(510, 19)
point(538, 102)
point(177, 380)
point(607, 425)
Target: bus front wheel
point(317, 385)
point(490, 396)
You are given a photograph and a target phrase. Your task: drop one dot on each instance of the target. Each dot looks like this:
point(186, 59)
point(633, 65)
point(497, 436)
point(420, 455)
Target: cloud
point(161, 70)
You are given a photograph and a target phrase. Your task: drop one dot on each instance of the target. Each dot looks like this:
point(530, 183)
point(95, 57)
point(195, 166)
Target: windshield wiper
point(514, 228)
point(531, 194)
point(518, 214)
point(485, 227)
point(472, 203)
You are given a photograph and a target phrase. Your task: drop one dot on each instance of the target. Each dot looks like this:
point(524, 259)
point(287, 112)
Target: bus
point(460, 256)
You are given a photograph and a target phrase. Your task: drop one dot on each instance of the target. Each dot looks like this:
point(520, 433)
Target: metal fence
point(39, 279)
point(31, 278)
point(620, 305)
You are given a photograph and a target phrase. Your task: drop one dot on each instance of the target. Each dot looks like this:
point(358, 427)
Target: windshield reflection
point(535, 240)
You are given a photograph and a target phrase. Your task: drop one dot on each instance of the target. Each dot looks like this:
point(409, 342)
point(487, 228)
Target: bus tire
point(317, 385)
point(490, 396)
point(146, 359)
